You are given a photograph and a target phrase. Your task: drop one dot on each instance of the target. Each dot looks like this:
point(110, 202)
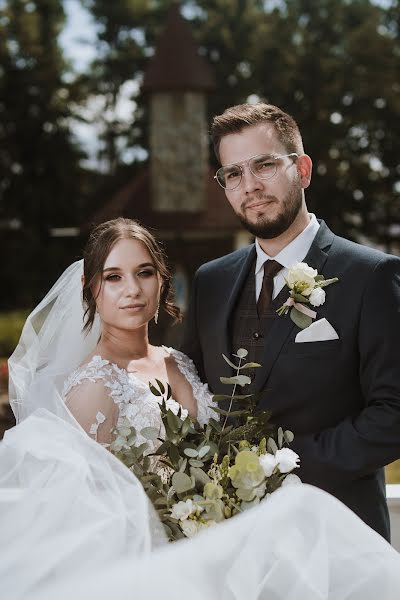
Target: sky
point(78, 37)
point(78, 42)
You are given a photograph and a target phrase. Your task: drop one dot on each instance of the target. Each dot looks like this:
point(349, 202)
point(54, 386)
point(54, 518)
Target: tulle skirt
point(75, 523)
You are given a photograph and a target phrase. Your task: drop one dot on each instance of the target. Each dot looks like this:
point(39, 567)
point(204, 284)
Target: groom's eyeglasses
point(263, 166)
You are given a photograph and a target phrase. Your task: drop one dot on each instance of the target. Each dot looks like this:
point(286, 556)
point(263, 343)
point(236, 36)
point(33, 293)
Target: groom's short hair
point(236, 118)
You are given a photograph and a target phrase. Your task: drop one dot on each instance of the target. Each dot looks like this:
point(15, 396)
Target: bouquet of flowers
point(200, 476)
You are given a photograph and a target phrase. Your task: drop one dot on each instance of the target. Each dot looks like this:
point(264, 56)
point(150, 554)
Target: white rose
point(302, 273)
point(286, 460)
point(268, 464)
point(189, 528)
point(182, 510)
point(291, 479)
point(317, 297)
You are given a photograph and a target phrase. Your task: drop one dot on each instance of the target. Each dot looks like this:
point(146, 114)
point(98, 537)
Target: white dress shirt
point(293, 253)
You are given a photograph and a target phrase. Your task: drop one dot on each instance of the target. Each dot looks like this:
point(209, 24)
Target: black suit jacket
point(341, 398)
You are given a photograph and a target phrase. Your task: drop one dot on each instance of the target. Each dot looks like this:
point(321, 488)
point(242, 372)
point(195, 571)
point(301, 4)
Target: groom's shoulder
point(360, 261)
point(227, 262)
point(360, 253)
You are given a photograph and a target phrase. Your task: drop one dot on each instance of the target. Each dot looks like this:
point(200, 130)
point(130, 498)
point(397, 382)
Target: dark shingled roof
point(134, 201)
point(176, 65)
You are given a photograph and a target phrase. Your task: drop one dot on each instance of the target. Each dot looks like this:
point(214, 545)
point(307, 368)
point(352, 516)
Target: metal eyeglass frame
point(246, 162)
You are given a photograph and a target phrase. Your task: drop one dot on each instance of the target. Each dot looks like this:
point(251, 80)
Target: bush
point(11, 324)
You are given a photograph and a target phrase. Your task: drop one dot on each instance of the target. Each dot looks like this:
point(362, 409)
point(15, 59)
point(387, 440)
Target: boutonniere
point(305, 288)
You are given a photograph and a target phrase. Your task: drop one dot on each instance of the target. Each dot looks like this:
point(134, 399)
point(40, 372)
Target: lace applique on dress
point(135, 401)
point(100, 418)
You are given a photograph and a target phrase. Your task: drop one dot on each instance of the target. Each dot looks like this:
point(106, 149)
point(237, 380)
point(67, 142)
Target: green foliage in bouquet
point(198, 476)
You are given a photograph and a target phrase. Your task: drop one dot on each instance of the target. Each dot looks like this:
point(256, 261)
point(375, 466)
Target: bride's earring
point(157, 313)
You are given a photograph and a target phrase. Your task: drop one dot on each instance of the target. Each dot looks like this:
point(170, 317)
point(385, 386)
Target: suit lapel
point(238, 277)
point(283, 326)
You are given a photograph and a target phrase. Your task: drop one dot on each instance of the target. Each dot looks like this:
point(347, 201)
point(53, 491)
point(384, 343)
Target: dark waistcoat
point(248, 330)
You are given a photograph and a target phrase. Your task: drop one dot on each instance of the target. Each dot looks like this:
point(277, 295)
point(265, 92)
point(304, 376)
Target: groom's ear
point(304, 169)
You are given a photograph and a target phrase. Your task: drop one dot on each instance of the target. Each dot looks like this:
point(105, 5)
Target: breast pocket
point(314, 349)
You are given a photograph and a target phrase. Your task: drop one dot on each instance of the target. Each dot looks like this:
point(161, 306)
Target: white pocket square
point(319, 331)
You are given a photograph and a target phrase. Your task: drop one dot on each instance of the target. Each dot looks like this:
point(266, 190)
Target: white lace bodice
point(131, 396)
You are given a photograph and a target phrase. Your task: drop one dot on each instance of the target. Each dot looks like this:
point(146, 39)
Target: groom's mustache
point(258, 197)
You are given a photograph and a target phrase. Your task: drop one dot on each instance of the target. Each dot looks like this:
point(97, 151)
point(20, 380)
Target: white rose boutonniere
point(305, 286)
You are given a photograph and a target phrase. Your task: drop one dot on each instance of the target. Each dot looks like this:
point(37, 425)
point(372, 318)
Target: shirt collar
point(294, 252)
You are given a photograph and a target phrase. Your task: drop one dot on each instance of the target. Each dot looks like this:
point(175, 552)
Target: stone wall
point(179, 151)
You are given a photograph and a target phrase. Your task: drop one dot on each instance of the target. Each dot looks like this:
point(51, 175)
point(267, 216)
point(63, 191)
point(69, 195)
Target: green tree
point(39, 160)
point(333, 64)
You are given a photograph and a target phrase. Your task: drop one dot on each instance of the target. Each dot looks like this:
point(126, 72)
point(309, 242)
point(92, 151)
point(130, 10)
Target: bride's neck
point(123, 346)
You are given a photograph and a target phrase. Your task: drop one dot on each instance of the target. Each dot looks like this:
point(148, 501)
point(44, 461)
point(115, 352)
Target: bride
point(76, 523)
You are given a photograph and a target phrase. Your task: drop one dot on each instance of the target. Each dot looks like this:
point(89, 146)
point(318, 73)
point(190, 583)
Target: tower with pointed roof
point(177, 82)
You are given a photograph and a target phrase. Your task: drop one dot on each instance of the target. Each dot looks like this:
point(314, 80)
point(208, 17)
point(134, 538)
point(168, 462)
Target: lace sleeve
point(94, 409)
point(201, 392)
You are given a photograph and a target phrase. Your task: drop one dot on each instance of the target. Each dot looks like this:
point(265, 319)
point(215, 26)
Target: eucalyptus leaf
point(271, 445)
point(193, 462)
point(169, 391)
point(131, 439)
point(183, 465)
point(227, 413)
point(300, 319)
point(150, 433)
point(191, 452)
point(231, 364)
point(236, 380)
point(186, 426)
point(280, 437)
point(203, 451)
point(289, 436)
point(181, 482)
point(140, 449)
point(221, 397)
point(251, 365)
point(199, 475)
point(242, 353)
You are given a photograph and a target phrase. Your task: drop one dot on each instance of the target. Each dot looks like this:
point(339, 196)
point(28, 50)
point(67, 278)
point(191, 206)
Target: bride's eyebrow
point(141, 266)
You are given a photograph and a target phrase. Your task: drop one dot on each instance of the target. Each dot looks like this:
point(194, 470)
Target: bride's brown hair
point(98, 247)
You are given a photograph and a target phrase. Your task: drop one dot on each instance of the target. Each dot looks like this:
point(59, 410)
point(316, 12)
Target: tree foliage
point(40, 174)
point(333, 64)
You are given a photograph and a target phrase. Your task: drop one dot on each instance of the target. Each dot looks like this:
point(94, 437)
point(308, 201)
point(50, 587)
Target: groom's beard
point(269, 228)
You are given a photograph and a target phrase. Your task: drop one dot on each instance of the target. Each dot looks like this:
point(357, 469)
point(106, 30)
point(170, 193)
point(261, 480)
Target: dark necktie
point(271, 268)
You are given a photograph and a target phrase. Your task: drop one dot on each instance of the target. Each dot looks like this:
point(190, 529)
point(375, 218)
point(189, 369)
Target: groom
point(339, 392)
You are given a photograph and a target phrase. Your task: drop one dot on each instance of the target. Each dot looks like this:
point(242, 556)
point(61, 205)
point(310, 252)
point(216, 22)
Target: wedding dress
point(76, 524)
point(92, 384)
